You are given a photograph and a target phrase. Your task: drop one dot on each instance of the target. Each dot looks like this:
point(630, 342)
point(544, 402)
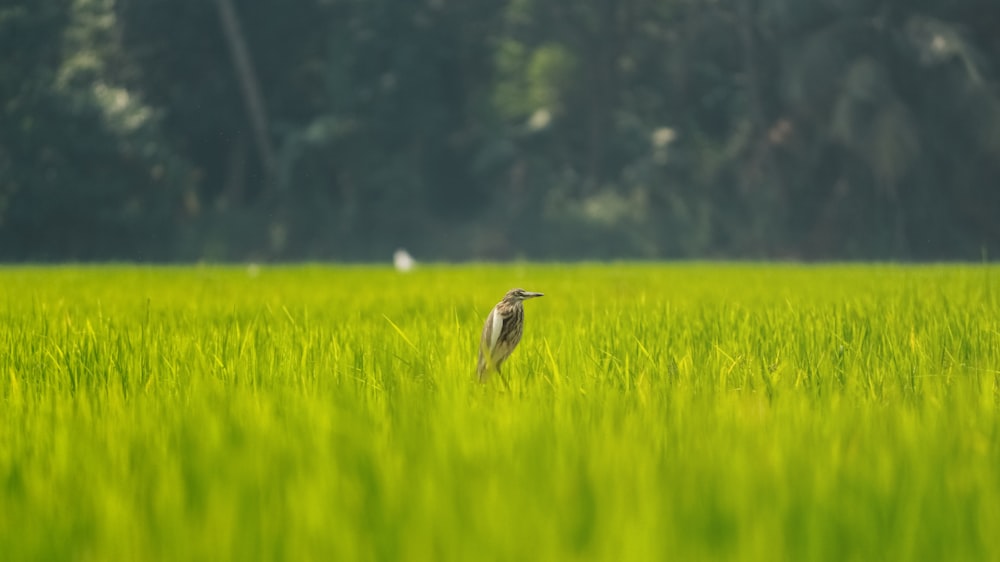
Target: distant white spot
point(663, 136)
point(253, 270)
point(540, 119)
point(403, 261)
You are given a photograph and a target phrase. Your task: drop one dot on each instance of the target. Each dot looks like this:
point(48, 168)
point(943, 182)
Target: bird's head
point(517, 295)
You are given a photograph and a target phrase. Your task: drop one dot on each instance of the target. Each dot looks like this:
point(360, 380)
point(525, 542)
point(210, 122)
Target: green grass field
point(678, 412)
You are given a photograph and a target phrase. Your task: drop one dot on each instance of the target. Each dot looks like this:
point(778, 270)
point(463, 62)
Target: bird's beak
point(528, 295)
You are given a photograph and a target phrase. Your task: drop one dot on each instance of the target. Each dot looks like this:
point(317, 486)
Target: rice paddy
point(652, 412)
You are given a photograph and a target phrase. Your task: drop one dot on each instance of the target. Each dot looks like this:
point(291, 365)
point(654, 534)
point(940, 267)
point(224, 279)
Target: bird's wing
point(487, 341)
point(491, 334)
point(496, 326)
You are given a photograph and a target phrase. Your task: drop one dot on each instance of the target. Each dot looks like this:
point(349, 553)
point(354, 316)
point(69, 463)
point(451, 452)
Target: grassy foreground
point(681, 412)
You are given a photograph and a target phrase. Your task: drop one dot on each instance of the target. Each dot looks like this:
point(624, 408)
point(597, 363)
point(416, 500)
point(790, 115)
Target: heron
point(502, 331)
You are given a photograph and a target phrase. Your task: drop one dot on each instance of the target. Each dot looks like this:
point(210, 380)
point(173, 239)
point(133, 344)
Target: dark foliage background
point(479, 129)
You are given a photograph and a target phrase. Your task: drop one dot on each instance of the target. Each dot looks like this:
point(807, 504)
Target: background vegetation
point(186, 129)
point(684, 412)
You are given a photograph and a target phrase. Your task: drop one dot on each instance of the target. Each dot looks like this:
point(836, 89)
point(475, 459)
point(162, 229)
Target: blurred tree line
point(264, 129)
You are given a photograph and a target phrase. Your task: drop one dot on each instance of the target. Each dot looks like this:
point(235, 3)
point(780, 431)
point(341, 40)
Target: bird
point(502, 331)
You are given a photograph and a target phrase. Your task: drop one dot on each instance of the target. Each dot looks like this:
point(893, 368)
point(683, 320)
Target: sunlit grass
point(654, 412)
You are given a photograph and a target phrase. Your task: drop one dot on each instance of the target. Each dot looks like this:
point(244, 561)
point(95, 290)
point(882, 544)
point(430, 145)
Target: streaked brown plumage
point(502, 331)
